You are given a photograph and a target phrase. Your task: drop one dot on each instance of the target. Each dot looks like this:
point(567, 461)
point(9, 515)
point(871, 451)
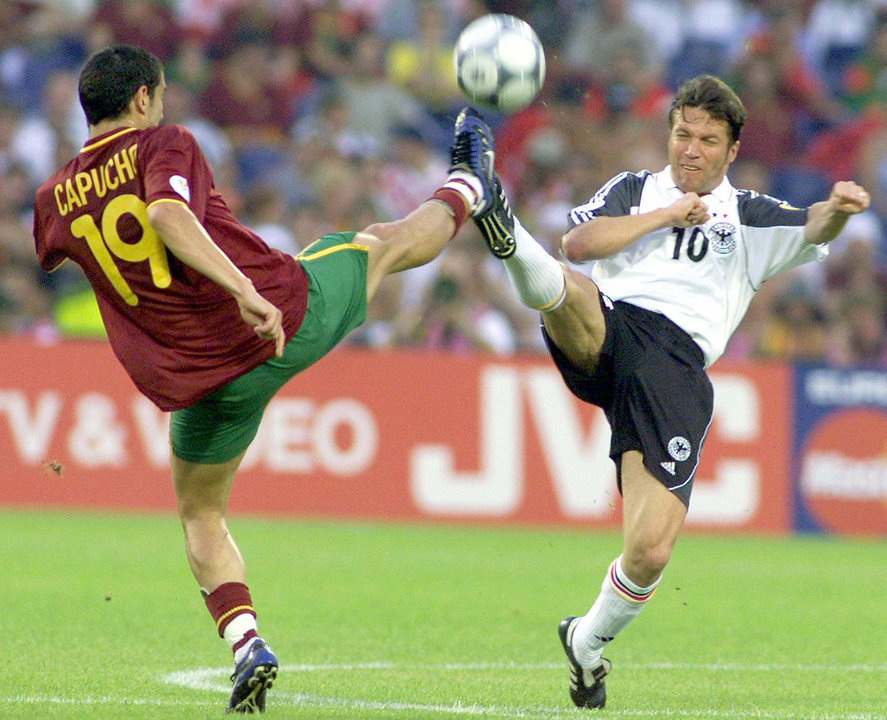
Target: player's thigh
point(382, 257)
point(652, 517)
point(578, 327)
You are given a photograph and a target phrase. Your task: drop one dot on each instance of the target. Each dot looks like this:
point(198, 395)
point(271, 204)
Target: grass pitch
point(100, 618)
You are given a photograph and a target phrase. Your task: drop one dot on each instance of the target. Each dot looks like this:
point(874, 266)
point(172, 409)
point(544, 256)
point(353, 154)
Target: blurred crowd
point(327, 115)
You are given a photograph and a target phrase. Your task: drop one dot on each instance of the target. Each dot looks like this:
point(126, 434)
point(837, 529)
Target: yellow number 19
point(106, 241)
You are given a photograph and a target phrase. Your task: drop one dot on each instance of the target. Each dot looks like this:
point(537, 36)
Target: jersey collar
point(107, 137)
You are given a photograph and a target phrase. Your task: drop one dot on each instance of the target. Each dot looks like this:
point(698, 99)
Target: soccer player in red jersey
point(207, 319)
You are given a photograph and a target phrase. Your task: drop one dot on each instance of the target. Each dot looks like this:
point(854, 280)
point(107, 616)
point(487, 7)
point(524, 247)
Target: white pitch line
point(729, 667)
point(216, 679)
point(104, 700)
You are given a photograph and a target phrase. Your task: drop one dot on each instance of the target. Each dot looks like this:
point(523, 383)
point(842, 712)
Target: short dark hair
point(713, 95)
point(111, 78)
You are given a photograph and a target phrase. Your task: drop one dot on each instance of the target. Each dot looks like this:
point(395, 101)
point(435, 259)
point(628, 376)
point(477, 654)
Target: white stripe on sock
point(608, 616)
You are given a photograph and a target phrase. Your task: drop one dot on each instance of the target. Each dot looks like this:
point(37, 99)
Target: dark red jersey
point(178, 334)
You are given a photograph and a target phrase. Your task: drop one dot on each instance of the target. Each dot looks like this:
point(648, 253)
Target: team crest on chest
point(722, 238)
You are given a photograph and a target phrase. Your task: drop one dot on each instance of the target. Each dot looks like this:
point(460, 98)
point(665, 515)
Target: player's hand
point(848, 197)
point(689, 210)
point(265, 319)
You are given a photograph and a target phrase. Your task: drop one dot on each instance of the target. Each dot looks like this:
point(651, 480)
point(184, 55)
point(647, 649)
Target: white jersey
point(702, 278)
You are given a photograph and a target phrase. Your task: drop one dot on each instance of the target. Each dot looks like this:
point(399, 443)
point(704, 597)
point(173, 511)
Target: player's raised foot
point(252, 677)
point(497, 224)
point(472, 152)
point(587, 689)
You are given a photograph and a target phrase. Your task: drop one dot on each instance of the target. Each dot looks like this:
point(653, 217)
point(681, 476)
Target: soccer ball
point(499, 62)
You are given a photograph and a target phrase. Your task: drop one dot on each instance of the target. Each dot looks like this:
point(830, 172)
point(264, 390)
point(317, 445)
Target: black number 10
point(692, 252)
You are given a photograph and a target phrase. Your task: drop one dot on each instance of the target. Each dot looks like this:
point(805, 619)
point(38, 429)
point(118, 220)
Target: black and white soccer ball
point(499, 62)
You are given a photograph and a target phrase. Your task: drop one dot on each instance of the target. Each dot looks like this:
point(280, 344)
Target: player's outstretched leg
point(252, 677)
point(536, 276)
point(587, 688)
point(471, 154)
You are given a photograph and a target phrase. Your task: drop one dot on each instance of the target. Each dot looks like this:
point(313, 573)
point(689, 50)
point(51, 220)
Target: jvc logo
point(576, 459)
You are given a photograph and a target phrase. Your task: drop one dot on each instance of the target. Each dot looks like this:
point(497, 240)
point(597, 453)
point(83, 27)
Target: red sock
point(456, 202)
point(227, 602)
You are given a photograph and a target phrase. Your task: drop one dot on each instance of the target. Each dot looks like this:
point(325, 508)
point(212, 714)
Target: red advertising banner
point(375, 434)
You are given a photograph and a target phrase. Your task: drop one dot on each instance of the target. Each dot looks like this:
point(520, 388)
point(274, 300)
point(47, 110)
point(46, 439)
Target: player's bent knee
point(644, 562)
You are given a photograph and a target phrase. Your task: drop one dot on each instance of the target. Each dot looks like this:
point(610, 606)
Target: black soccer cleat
point(497, 224)
point(252, 677)
point(472, 151)
point(587, 689)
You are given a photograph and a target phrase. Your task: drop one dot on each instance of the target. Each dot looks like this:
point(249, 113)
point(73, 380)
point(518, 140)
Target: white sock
point(467, 185)
point(618, 604)
point(536, 276)
point(235, 632)
point(241, 652)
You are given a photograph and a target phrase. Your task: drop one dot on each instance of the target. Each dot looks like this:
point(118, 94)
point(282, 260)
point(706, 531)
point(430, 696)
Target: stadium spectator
point(179, 108)
point(678, 256)
point(779, 41)
point(857, 263)
point(598, 34)
point(9, 122)
point(423, 65)
point(410, 170)
point(266, 214)
point(454, 314)
point(863, 79)
point(835, 33)
point(399, 20)
point(549, 18)
point(694, 36)
point(42, 39)
point(796, 329)
point(244, 98)
point(772, 120)
point(328, 34)
point(150, 24)
point(536, 147)
point(248, 100)
point(375, 104)
point(42, 136)
point(862, 338)
point(24, 306)
point(191, 67)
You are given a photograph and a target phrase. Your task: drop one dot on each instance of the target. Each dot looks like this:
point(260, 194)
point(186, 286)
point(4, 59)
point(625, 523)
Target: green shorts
point(221, 425)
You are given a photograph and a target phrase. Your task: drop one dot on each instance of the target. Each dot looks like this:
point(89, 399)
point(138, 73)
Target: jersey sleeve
point(775, 234)
point(615, 199)
point(174, 168)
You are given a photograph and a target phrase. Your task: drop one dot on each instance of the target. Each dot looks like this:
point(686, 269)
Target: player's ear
point(141, 100)
point(733, 151)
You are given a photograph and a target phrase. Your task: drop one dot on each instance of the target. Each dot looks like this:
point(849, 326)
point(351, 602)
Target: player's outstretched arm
point(605, 236)
point(826, 219)
point(184, 236)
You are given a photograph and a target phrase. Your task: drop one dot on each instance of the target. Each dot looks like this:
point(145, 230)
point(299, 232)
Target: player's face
point(699, 150)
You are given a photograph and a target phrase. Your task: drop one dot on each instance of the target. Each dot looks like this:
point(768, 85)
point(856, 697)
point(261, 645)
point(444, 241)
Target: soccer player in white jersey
point(677, 256)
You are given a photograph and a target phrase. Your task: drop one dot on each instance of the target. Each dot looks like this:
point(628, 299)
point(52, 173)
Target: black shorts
point(651, 384)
